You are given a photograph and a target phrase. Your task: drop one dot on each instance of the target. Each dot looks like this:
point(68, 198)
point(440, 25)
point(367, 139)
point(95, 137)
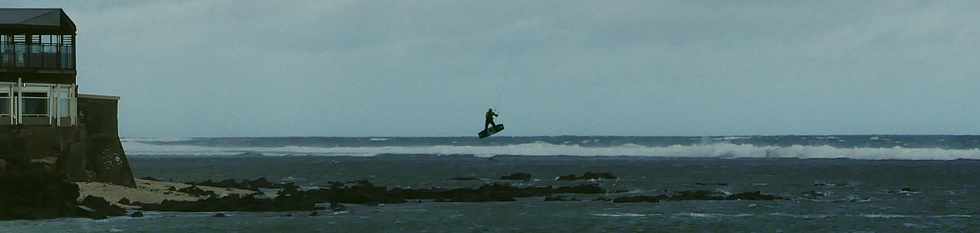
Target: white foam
point(714, 150)
point(712, 215)
point(145, 139)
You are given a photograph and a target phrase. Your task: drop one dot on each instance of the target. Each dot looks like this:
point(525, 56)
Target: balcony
point(33, 53)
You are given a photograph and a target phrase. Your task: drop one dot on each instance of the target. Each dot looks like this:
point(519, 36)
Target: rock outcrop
point(587, 176)
point(31, 191)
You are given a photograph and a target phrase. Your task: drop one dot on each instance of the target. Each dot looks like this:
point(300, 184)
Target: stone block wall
point(90, 151)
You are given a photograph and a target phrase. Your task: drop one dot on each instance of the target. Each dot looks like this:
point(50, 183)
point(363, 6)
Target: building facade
point(37, 68)
point(44, 121)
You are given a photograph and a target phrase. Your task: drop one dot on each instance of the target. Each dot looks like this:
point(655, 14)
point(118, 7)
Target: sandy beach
point(149, 191)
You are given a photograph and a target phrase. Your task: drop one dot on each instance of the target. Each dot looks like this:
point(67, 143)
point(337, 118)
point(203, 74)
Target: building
point(37, 67)
point(43, 119)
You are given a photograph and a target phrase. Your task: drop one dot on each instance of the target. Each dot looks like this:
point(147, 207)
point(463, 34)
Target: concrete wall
point(89, 152)
point(97, 117)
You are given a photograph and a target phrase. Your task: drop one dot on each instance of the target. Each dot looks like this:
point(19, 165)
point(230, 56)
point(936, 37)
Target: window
point(62, 103)
point(37, 51)
point(20, 49)
point(6, 51)
point(67, 48)
point(35, 104)
point(5, 104)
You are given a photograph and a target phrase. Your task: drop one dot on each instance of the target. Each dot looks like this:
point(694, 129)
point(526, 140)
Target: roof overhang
point(35, 21)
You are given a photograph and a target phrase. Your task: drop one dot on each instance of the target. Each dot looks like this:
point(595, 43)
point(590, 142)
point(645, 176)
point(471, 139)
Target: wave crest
point(715, 150)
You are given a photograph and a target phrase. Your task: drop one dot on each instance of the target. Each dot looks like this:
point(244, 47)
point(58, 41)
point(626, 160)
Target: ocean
point(835, 183)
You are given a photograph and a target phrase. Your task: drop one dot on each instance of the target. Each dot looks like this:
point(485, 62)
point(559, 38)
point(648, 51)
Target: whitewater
point(902, 147)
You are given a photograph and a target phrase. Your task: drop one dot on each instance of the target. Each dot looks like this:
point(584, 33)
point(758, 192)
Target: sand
point(148, 191)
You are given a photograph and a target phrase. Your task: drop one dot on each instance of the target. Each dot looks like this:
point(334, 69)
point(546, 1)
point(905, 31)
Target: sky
point(549, 67)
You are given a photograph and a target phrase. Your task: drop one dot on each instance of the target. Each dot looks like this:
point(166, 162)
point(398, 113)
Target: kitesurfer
point(489, 119)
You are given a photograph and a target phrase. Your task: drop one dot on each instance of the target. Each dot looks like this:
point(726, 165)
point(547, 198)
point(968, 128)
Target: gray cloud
point(407, 68)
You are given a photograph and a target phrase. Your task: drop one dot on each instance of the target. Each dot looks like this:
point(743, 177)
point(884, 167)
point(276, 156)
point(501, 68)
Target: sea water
point(865, 183)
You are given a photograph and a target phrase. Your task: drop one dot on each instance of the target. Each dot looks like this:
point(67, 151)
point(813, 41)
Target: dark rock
point(712, 184)
point(651, 199)
point(261, 182)
point(235, 203)
point(587, 176)
point(559, 198)
point(124, 201)
point(363, 192)
point(517, 176)
point(137, 214)
point(697, 195)
point(256, 184)
point(754, 196)
point(314, 213)
point(29, 193)
point(193, 190)
point(150, 178)
point(99, 208)
point(337, 207)
point(219, 215)
point(172, 188)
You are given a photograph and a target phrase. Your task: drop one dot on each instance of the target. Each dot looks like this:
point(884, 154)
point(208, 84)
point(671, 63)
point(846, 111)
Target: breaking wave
point(714, 150)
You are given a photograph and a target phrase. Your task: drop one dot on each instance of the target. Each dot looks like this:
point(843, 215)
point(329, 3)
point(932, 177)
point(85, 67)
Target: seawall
point(89, 151)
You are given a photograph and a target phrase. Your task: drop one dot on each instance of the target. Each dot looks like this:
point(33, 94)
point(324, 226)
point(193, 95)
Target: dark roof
point(35, 20)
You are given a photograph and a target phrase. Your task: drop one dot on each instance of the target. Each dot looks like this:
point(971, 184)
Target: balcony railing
point(21, 51)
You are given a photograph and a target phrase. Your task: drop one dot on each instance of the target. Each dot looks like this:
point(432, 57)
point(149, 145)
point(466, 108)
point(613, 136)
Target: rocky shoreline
point(33, 192)
point(291, 197)
point(64, 199)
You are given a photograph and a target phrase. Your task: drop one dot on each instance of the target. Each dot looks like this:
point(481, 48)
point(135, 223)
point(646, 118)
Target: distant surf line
point(713, 150)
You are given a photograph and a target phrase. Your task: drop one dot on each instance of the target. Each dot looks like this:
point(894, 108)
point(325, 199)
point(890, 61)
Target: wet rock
point(337, 207)
point(99, 208)
point(137, 214)
point(27, 193)
point(150, 178)
point(219, 215)
point(124, 201)
point(587, 176)
point(711, 184)
point(754, 196)
point(697, 195)
point(559, 198)
point(193, 190)
point(314, 213)
point(627, 199)
point(255, 184)
point(603, 198)
point(363, 192)
point(517, 176)
point(235, 203)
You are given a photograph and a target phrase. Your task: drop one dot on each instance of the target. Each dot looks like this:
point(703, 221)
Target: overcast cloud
point(431, 68)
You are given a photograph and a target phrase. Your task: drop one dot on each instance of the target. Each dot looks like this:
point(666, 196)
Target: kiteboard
point(491, 131)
